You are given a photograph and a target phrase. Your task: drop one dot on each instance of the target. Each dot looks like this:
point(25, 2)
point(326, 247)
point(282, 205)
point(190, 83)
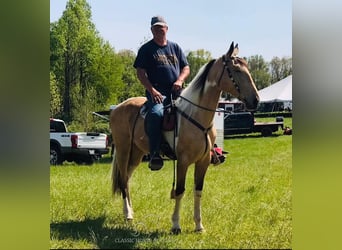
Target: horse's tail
point(116, 183)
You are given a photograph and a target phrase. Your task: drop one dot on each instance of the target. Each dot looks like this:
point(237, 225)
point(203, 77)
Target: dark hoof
point(201, 230)
point(176, 231)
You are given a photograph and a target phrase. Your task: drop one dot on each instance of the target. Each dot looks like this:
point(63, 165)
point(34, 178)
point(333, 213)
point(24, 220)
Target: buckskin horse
point(195, 136)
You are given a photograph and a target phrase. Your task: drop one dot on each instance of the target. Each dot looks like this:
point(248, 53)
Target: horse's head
point(235, 78)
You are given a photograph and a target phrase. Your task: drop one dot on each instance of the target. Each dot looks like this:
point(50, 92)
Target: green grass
point(246, 202)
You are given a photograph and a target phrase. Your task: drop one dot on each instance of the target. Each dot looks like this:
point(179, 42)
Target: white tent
point(277, 92)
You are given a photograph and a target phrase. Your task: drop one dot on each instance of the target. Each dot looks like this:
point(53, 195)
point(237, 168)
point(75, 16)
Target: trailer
point(244, 123)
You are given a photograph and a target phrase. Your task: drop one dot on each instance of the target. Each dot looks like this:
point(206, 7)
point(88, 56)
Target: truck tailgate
point(91, 140)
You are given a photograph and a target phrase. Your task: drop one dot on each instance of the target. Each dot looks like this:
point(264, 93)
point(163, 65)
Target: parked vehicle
point(81, 147)
point(244, 123)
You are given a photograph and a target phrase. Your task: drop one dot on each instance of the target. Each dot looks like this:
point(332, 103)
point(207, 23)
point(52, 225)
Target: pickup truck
point(244, 123)
point(81, 147)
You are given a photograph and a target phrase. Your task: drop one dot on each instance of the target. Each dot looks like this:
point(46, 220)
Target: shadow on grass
point(93, 230)
point(106, 160)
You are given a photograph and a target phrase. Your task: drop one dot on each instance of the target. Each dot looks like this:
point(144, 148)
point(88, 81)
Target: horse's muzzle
point(252, 105)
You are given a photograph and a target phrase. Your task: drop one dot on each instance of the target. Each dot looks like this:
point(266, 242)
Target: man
point(162, 68)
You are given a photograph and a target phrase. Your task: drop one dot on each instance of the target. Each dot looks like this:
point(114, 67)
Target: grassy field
point(246, 202)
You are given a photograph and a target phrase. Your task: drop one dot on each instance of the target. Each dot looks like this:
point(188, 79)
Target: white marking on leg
point(175, 215)
point(127, 209)
point(197, 211)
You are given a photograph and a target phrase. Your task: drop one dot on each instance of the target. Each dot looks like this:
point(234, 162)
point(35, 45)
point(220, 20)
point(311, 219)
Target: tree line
point(87, 74)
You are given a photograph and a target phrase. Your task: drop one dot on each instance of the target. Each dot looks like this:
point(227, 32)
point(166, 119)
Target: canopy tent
point(277, 92)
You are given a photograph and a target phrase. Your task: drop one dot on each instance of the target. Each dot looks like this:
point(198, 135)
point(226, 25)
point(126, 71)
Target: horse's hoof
point(200, 230)
point(129, 218)
point(176, 231)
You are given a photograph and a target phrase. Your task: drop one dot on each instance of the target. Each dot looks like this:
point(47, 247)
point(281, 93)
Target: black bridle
point(225, 67)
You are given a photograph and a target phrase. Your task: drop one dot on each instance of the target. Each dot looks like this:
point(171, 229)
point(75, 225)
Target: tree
point(280, 68)
point(73, 44)
point(107, 75)
point(196, 60)
point(55, 97)
point(80, 57)
point(83, 105)
point(259, 71)
point(132, 86)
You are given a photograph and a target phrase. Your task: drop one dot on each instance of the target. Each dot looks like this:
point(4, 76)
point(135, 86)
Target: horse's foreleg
point(197, 211)
point(200, 171)
point(179, 193)
point(176, 229)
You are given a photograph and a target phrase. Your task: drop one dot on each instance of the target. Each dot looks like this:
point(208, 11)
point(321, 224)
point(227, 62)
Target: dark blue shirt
point(163, 64)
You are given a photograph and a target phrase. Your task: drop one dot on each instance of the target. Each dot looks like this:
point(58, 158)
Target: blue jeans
point(154, 119)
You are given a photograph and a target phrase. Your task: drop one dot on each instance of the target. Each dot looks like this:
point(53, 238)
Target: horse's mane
point(198, 82)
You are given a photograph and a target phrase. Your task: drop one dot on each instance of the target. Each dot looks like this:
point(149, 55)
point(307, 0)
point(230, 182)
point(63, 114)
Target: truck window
point(57, 127)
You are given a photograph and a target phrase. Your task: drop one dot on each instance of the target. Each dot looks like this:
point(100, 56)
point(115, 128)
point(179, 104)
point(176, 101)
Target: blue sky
point(262, 27)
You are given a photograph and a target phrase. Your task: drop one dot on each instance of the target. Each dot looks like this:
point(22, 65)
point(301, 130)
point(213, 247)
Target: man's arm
point(142, 76)
point(181, 78)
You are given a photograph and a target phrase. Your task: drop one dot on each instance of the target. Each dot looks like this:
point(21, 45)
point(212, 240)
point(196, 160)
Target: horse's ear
point(236, 50)
point(231, 49)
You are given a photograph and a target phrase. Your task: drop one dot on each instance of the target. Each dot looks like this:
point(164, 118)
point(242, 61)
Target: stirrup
point(156, 162)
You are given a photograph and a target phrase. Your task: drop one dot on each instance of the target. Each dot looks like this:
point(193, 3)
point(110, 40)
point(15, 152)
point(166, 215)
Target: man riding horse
point(162, 68)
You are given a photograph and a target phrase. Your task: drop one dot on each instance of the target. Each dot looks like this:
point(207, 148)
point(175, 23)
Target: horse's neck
point(207, 100)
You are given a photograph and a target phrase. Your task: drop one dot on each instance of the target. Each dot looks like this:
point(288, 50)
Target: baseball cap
point(158, 20)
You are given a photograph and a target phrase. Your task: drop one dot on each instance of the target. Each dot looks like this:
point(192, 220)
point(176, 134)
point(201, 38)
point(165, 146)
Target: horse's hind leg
point(134, 161)
point(200, 170)
point(122, 160)
point(127, 208)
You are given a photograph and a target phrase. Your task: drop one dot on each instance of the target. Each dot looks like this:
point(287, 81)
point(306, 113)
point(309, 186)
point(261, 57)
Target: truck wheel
point(55, 155)
point(266, 132)
point(89, 160)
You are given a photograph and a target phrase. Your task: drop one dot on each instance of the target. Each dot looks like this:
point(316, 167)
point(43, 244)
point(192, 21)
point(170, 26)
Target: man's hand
point(177, 85)
point(156, 96)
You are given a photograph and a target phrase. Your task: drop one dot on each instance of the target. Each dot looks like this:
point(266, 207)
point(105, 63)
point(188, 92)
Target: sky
point(262, 27)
